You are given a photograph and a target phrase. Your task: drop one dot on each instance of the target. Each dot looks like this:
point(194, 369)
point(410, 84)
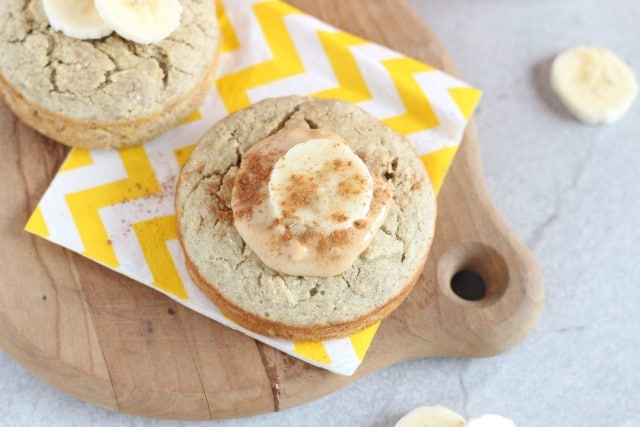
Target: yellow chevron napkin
point(116, 207)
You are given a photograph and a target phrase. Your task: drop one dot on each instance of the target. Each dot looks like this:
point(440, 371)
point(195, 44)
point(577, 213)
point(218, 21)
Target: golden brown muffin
point(105, 93)
point(300, 307)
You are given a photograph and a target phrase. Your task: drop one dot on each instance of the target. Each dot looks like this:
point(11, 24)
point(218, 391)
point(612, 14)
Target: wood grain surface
point(111, 341)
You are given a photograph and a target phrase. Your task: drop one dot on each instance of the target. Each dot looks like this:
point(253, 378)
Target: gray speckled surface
point(571, 191)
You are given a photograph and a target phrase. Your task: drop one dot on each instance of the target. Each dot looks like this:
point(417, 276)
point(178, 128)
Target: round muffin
point(106, 93)
point(303, 307)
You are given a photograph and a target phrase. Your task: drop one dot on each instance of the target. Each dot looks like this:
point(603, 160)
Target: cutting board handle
point(482, 290)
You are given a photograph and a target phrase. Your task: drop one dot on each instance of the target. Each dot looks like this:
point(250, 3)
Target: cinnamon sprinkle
point(307, 236)
point(286, 236)
point(352, 186)
point(219, 205)
point(248, 186)
point(339, 217)
point(221, 210)
point(301, 192)
point(335, 238)
point(360, 224)
point(381, 193)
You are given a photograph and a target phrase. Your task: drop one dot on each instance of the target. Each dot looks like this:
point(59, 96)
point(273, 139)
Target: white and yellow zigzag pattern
point(116, 207)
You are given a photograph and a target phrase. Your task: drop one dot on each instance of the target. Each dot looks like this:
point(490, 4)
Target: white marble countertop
point(571, 191)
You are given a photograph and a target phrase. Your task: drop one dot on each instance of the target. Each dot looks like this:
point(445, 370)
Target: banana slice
point(490, 420)
point(76, 18)
point(141, 21)
point(431, 416)
point(337, 183)
point(594, 84)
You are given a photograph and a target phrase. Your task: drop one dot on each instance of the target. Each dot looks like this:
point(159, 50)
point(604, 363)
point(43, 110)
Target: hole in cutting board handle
point(468, 285)
point(473, 273)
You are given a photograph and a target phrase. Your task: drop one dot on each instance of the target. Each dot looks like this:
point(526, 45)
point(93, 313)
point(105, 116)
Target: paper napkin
point(116, 207)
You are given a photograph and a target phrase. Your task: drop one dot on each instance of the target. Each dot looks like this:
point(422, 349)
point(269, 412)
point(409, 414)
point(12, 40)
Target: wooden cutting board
point(121, 345)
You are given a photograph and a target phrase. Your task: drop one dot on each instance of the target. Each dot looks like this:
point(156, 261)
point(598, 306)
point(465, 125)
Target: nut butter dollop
point(306, 204)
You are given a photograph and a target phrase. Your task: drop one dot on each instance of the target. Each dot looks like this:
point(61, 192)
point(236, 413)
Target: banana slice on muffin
point(305, 219)
point(106, 92)
point(141, 21)
point(76, 18)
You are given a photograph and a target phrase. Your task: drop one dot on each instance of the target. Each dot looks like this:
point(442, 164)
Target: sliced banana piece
point(76, 18)
point(141, 21)
point(336, 180)
point(490, 420)
point(431, 416)
point(594, 84)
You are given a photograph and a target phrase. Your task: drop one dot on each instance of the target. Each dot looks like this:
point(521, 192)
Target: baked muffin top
point(273, 303)
point(105, 80)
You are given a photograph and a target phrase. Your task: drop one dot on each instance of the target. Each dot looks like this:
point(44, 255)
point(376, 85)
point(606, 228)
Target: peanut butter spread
point(300, 219)
point(109, 79)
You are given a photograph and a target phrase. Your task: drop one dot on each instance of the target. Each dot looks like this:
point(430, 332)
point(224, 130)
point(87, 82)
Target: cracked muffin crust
point(108, 92)
point(296, 307)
